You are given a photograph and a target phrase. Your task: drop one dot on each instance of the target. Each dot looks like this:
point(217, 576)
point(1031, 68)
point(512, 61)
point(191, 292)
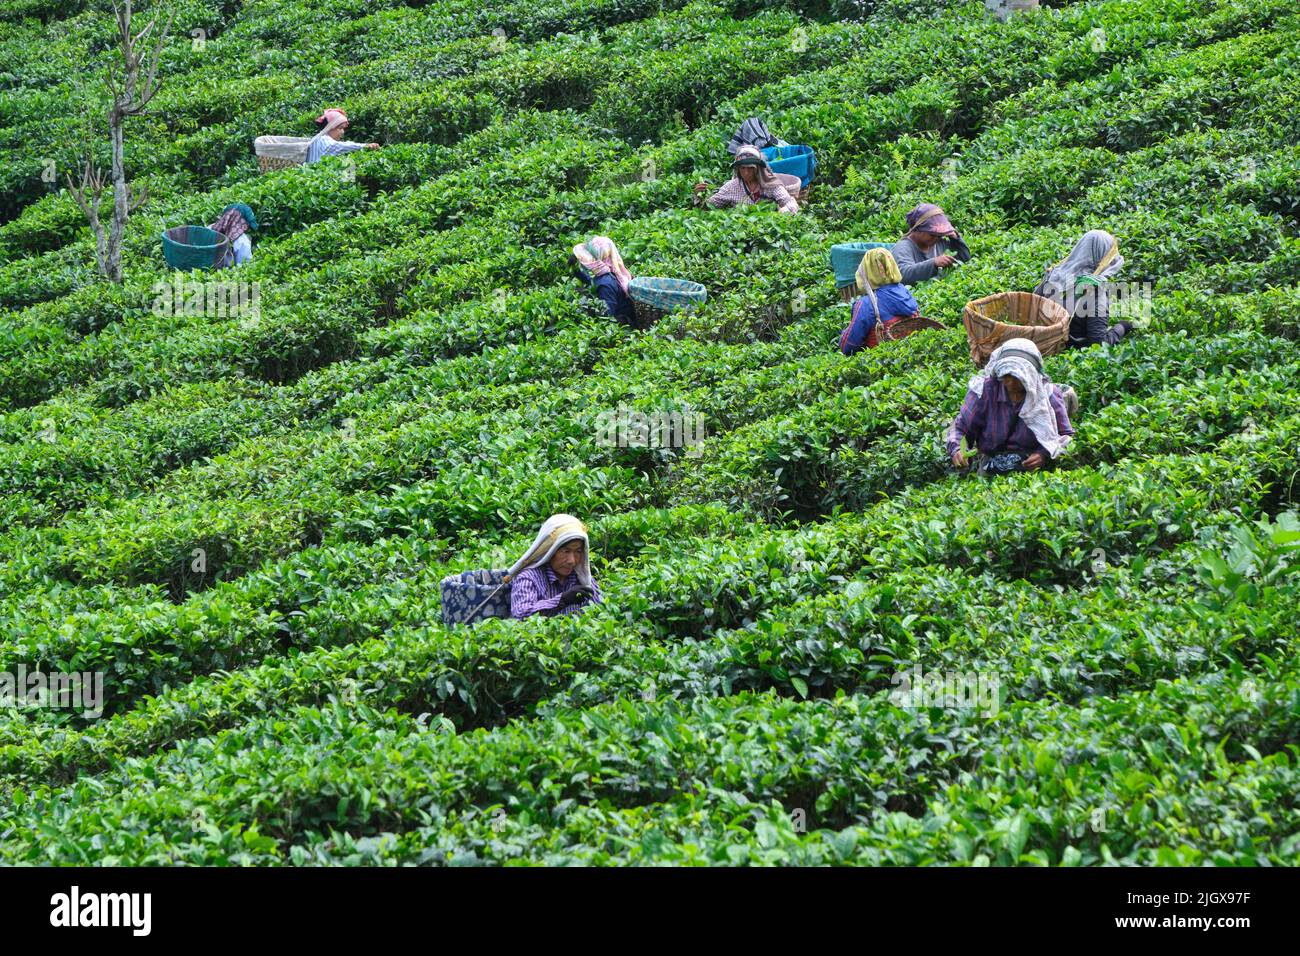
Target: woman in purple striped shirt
point(554, 576)
point(1013, 414)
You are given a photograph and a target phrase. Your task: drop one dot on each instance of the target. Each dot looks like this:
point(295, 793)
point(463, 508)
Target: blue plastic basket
point(666, 294)
point(847, 256)
point(194, 247)
point(795, 160)
point(463, 593)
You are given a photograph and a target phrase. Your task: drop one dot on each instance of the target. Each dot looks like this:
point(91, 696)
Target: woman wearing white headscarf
point(554, 575)
point(1013, 414)
point(329, 140)
point(1078, 282)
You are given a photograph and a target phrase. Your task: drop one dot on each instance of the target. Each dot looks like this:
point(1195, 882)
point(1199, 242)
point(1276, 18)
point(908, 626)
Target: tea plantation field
point(242, 523)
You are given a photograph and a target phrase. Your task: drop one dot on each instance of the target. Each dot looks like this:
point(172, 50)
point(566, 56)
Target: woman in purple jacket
point(1013, 414)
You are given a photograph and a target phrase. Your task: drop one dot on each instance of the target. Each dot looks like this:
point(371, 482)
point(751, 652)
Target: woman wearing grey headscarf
point(1078, 282)
point(1013, 414)
point(751, 182)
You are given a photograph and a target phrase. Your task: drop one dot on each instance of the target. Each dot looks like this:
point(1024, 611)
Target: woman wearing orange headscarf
point(930, 244)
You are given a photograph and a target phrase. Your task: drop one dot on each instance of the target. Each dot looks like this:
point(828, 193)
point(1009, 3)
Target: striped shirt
point(322, 145)
point(538, 590)
point(991, 423)
point(735, 193)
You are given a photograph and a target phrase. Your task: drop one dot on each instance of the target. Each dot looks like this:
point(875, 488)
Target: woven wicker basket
point(655, 296)
point(992, 320)
point(280, 152)
point(646, 315)
point(266, 164)
point(905, 326)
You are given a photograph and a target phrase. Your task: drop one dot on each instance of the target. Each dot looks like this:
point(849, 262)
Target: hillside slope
point(242, 522)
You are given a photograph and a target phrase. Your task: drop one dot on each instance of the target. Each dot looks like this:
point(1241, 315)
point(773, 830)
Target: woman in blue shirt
point(883, 298)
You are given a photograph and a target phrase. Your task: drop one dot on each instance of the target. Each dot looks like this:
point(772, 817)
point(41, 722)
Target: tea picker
point(789, 161)
point(329, 140)
point(1013, 415)
point(235, 221)
point(752, 181)
point(885, 310)
point(597, 263)
point(1079, 283)
point(285, 152)
point(553, 577)
point(930, 244)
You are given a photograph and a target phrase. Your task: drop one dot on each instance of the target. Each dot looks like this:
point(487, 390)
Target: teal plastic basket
point(666, 295)
point(793, 160)
point(194, 247)
point(847, 256)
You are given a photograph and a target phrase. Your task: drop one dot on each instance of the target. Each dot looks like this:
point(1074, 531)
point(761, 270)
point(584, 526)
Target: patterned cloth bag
point(463, 593)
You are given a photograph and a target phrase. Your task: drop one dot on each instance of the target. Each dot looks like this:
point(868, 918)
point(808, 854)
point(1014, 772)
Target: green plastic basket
point(194, 247)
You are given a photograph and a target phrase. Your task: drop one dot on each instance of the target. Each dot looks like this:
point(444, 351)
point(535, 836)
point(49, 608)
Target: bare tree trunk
point(128, 99)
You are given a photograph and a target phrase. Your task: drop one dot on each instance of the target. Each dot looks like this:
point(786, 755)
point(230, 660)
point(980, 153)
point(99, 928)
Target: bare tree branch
point(150, 86)
point(122, 78)
point(140, 200)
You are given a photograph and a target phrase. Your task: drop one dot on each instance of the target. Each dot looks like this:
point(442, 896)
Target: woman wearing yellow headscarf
point(882, 298)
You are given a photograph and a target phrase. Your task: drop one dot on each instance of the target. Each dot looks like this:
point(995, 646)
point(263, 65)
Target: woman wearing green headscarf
point(1081, 283)
point(234, 222)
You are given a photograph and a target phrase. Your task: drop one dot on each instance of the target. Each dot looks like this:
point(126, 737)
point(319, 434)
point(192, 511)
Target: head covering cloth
point(878, 267)
point(557, 531)
point(1094, 259)
point(1021, 358)
point(753, 156)
point(927, 217)
point(234, 221)
point(599, 256)
point(330, 119)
